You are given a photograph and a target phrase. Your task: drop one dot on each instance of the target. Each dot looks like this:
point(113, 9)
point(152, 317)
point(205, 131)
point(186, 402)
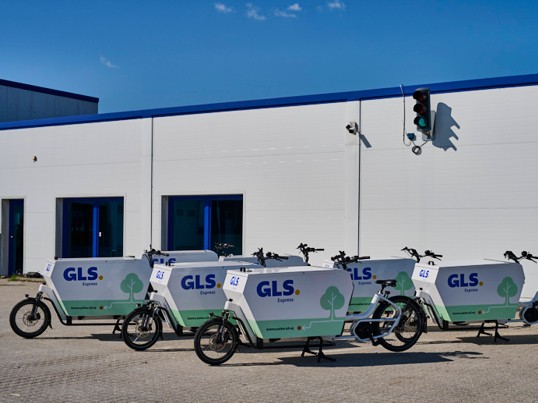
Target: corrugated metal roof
point(35, 88)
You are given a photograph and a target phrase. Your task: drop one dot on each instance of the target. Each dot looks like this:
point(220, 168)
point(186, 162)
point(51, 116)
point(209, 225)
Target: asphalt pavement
point(90, 364)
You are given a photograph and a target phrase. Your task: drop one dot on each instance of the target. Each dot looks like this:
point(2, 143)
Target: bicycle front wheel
point(407, 330)
point(141, 329)
point(215, 341)
point(29, 318)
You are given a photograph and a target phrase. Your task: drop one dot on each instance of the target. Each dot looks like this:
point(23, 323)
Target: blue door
point(201, 222)
point(92, 227)
point(15, 236)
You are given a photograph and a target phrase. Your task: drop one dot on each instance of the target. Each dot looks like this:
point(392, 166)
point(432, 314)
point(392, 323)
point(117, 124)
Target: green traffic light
point(422, 122)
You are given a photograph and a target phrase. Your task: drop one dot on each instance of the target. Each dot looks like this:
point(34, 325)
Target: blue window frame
point(92, 227)
point(200, 222)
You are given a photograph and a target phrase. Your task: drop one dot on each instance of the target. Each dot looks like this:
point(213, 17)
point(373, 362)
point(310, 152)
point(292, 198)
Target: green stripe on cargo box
point(463, 313)
point(270, 329)
point(195, 317)
point(100, 307)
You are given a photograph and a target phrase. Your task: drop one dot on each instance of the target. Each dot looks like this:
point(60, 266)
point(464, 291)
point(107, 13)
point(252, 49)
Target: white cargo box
point(98, 286)
point(179, 256)
point(471, 290)
point(364, 274)
point(291, 302)
point(193, 290)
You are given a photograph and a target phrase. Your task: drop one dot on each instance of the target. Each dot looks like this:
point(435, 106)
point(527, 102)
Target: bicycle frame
point(46, 293)
point(158, 302)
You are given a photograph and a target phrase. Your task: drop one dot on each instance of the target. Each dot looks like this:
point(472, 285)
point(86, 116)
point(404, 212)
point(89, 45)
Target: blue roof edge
point(49, 91)
point(382, 93)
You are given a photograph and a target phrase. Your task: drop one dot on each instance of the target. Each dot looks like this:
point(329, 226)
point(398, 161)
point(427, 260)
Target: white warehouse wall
point(85, 160)
point(470, 194)
point(289, 164)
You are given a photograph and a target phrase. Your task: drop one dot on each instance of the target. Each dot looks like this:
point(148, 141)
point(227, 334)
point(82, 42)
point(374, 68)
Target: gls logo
point(162, 260)
point(357, 274)
point(79, 274)
point(424, 273)
point(234, 281)
point(274, 289)
point(191, 282)
point(459, 280)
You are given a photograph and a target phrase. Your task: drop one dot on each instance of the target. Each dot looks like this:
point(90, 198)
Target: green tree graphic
point(507, 288)
point(403, 282)
point(131, 284)
point(332, 300)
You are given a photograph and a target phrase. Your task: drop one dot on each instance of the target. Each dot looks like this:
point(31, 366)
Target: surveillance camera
point(352, 127)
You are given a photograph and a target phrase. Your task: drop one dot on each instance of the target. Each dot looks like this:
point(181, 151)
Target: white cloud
point(336, 5)
point(284, 14)
point(253, 12)
point(223, 8)
point(104, 61)
point(290, 11)
point(295, 7)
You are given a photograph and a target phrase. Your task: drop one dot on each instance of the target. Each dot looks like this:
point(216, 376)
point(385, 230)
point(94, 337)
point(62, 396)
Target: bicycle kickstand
point(320, 354)
point(496, 335)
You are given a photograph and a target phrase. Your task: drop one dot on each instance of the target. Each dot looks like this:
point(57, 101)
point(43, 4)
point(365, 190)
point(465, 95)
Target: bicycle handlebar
point(509, 255)
point(221, 247)
point(427, 253)
point(269, 255)
point(276, 256)
point(152, 252)
point(343, 259)
point(305, 250)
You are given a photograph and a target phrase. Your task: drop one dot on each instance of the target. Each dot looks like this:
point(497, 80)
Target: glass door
point(92, 227)
point(15, 236)
point(200, 222)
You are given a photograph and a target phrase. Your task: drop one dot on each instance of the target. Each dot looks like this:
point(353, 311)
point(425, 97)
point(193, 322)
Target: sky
point(146, 54)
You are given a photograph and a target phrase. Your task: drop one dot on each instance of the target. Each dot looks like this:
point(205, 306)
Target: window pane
point(227, 224)
point(110, 228)
point(187, 224)
point(78, 229)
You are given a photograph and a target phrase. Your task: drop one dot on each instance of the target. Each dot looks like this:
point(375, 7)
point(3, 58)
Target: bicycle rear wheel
point(141, 329)
point(215, 341)
point(407, 330)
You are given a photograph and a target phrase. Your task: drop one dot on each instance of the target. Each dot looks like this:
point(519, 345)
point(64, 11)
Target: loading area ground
point(86, 363)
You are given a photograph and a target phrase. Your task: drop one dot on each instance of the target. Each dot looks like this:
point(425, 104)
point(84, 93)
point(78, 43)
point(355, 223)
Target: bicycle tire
point(22, 322)
point(141, 329)
point(215, 342)
point(407, 331)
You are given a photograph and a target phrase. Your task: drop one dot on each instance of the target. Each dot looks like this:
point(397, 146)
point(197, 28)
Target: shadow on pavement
point(366, 359)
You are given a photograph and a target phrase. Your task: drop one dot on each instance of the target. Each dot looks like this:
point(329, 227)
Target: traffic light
point(423, 120)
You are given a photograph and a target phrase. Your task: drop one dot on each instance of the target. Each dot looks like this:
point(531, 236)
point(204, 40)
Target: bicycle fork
point(34, 315)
